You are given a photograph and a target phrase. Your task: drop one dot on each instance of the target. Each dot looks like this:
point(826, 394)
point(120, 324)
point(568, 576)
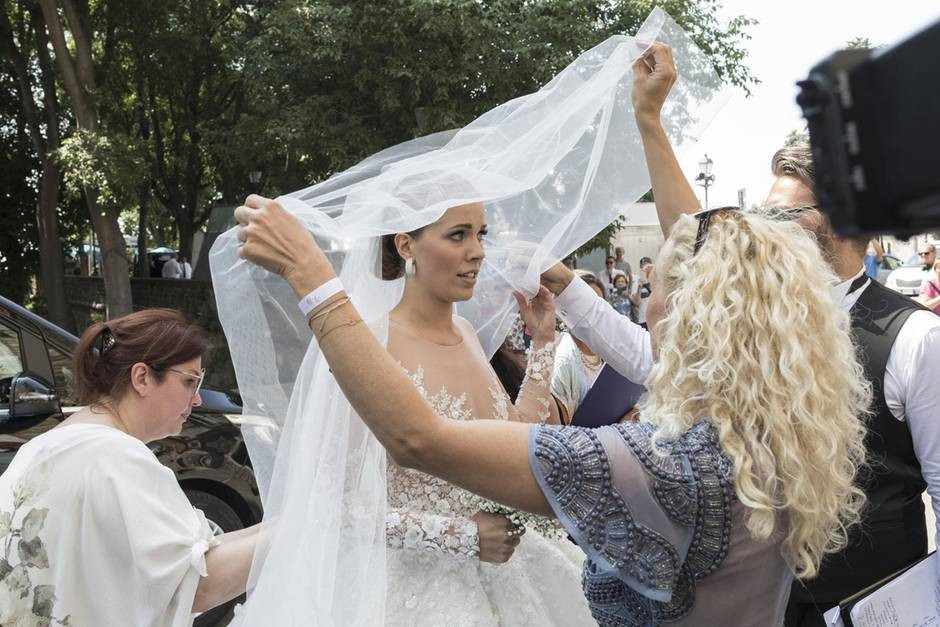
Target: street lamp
point(254, 177)
point(705, 176)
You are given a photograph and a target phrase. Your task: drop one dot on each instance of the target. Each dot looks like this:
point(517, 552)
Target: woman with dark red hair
point(93, 529)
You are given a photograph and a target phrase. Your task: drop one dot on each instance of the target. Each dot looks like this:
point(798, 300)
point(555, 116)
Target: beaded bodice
point(427, 513)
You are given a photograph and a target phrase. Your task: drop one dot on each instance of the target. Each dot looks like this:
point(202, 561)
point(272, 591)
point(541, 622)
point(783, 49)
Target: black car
point(209, 457)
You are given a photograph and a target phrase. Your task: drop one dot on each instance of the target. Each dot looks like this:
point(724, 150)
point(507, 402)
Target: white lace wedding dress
point(434, 574)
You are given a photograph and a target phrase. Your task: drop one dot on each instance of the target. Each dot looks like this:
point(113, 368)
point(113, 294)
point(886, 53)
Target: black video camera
point(874, 124)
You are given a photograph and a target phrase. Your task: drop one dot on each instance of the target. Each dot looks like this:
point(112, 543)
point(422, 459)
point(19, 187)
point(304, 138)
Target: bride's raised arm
point(487, 457)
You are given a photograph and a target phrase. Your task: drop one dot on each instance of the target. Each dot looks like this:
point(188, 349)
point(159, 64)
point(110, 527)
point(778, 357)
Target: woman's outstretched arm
point(487, 457)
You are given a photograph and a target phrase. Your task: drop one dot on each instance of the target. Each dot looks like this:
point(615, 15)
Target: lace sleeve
point(534, 403)
point(426, 531)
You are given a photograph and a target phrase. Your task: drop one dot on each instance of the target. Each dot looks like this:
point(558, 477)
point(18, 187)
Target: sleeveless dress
point(434, 574)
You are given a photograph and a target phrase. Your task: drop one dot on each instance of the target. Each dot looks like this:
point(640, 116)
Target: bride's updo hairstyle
point(752, 341)
point(393, 264)
point(106, 352)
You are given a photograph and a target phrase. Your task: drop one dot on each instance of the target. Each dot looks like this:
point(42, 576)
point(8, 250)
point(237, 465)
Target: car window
point(913, 261)
point(62, 372)
point(890, 263)
point(11, 364)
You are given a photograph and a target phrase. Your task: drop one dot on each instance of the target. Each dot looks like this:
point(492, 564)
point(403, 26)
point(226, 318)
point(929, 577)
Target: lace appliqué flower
point(427, 513)
point(500, 402)
point(538, 373)
point(443, 403)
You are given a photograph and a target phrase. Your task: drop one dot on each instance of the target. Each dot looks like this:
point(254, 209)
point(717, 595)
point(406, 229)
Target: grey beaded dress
point(664, 535)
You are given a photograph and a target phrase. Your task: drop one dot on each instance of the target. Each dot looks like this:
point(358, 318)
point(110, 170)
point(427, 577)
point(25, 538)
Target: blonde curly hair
point(752, 340)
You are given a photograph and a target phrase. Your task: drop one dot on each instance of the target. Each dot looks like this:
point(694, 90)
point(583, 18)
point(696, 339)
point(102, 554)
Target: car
point(889, 263)
point(908, 278)
point(208, 457)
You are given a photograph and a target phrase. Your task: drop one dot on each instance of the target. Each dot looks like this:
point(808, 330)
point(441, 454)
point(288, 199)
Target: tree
point(78, 72)
point(22, 43)
point(796, 138)
point(185, 80)
point(329, 82)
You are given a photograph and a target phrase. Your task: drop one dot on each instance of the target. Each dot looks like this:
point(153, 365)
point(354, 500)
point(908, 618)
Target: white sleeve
point(918, 392)
point(148, 542)
point(619, 341)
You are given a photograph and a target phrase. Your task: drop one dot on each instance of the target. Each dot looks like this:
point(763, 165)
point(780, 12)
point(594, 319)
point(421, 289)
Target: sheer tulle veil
point(552, 169)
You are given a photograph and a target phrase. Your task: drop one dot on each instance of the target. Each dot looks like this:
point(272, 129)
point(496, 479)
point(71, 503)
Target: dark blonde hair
point(795, 161)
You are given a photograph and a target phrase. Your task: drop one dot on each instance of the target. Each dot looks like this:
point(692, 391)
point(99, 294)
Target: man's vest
point(893, 530)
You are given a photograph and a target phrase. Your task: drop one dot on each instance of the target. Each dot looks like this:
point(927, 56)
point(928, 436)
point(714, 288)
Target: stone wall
point(194, 298)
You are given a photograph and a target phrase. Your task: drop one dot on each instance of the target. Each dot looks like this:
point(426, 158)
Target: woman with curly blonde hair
point(740, 473)
point(751, 339)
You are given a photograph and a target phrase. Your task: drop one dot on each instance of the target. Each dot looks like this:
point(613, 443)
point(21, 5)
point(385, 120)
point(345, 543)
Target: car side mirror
point(31, 397)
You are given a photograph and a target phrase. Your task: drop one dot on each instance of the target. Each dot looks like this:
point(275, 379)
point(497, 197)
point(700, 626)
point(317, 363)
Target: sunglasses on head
point(704, 221)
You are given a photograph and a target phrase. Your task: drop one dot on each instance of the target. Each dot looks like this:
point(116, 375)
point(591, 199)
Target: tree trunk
point(78, 77)
point(51, 268)
point(185, 229)
point(51, 261)
point(114, 266)
point(143, 261)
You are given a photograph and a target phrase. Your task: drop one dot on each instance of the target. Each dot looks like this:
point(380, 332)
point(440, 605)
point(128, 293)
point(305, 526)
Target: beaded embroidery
point(692, 483)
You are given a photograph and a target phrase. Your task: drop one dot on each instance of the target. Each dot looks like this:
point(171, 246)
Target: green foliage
point(330, 82)
point(111, 163)
point(796, 138)
point(859, 42)
point(602, 240)
point(192, 96)
point(19, 171)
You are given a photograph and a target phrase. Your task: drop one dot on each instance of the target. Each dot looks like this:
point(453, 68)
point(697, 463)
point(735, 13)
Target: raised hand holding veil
point(552, 169)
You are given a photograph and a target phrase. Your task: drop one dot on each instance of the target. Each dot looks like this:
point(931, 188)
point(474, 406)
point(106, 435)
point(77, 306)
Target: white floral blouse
point(95, 531)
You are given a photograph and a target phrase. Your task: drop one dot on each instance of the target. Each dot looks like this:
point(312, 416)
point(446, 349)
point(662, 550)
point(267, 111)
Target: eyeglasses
point(704, 221)
point(192, 377)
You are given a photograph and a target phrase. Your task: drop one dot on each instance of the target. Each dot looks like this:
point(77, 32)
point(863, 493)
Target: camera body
point(874, 124)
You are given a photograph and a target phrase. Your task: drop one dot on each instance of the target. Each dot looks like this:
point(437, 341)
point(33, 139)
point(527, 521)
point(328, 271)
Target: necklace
point(591, 363)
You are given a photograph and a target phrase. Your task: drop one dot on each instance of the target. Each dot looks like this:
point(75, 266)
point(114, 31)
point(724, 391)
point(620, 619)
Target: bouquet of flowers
point(543, 525)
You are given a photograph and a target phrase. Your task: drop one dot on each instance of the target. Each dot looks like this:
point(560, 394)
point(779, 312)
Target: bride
point(349, 539)
point(442, 550)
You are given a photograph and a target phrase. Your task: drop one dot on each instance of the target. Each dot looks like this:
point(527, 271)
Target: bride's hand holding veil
point(488, 457)
point(538, 314)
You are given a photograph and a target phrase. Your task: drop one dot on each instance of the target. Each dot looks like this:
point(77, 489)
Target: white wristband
point(316, 298)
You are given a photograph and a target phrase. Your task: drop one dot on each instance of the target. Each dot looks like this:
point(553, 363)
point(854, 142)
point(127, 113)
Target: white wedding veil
point(552, 169)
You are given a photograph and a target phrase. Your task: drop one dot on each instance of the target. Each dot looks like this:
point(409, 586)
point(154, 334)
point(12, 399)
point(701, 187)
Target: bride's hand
point(538, 314)
point(279, 242)
point(496, 542)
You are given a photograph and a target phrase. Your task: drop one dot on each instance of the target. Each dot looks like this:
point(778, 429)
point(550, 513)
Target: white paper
point(833, 618)
point(911, 600)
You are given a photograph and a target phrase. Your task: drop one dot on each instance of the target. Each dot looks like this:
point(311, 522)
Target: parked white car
point(908, 278)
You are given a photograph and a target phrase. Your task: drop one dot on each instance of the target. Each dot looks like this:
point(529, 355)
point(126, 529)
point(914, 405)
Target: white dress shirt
point(911, 384)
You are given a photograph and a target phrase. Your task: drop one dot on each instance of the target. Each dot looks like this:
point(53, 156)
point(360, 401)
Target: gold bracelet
point(348, 323)
point(326, 311)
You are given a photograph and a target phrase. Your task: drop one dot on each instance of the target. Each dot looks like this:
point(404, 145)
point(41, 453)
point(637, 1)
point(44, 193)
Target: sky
point(791, 36)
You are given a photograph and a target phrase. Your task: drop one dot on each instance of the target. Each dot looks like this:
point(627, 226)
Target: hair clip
point(106, 342)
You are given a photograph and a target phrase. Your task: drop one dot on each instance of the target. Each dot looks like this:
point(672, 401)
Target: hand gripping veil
point(552, 169)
